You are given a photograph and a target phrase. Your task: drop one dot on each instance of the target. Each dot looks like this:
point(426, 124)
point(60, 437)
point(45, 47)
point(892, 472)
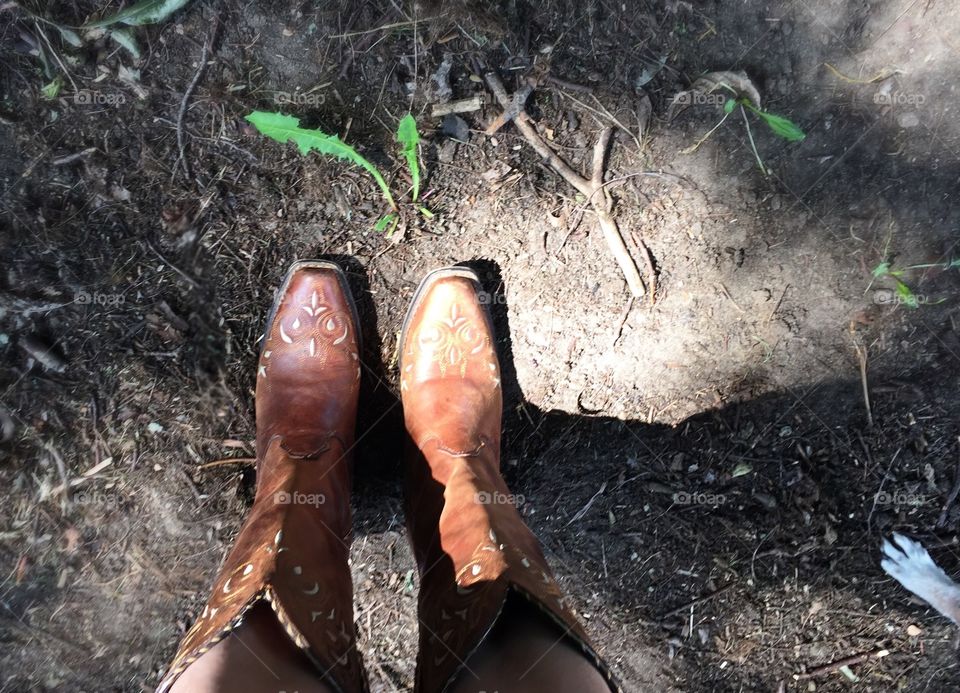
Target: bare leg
point(256, 657)
point(527, 653)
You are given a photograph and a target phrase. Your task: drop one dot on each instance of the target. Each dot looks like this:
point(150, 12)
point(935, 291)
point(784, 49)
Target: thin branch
point(602, 205)
point(599, 157)
point(190, 280)
point(698, 601)
point(840, 663)
point(181, 114)
point(564, 84)
point(526, 128)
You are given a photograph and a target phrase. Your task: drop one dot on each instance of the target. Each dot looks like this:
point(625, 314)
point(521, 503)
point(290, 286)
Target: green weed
point(905, 294)
point(285, 128)
point(781, 127)
point(408, 136)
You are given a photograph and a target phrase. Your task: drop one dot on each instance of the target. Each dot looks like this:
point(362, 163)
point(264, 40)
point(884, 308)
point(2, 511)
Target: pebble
point(908, 120)
point(455, 127)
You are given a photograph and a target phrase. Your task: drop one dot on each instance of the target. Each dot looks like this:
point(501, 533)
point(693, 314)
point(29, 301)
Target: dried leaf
point(144, 12)
point(69, 36)
point(23, 567)
point(848, 672)
point(71, 539)
point(43, 353)
point(735, 84)
point(125, 38)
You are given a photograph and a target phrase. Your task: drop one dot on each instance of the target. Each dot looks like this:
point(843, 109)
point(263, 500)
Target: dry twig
point(181, 114)
point(862, 360)
point(61, 470)
point(190, 280)
point(583, 511)
point(229, 461)
point(564, 84)
point(593, 188)
point(698, 601)
point(474, 103)
point(840, 663)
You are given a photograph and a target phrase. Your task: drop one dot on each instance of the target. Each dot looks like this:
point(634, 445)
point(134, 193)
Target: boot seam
point(454, 452)
point(323, 446)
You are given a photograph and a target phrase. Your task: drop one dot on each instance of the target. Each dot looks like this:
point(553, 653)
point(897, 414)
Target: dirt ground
point(703, 469)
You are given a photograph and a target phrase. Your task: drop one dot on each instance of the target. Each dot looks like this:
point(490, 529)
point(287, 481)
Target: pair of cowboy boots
point(472, 548)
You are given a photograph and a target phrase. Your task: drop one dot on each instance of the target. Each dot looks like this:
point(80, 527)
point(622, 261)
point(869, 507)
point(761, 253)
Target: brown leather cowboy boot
point(471, 545)
point(293, 549)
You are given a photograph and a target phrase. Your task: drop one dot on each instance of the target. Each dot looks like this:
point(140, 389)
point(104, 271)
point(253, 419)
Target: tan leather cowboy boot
point(293, 549)
point(471, 545)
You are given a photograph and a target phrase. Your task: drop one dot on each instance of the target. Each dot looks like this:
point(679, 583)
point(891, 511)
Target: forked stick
point(591, 188)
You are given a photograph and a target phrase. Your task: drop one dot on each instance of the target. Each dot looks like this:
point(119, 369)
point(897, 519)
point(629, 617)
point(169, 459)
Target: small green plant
point(743, 94)
point(904, 293)
point(52, 89)
point(285, 128)
point(408, 136)
point(782, 127)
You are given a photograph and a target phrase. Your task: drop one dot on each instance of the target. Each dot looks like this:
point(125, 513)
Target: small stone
point(455, 127)
point(447, 151)
point(913, 630)
point(766, 500)
point(908, 120)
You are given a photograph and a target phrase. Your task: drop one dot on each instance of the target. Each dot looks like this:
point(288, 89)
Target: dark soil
point(702, 468)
